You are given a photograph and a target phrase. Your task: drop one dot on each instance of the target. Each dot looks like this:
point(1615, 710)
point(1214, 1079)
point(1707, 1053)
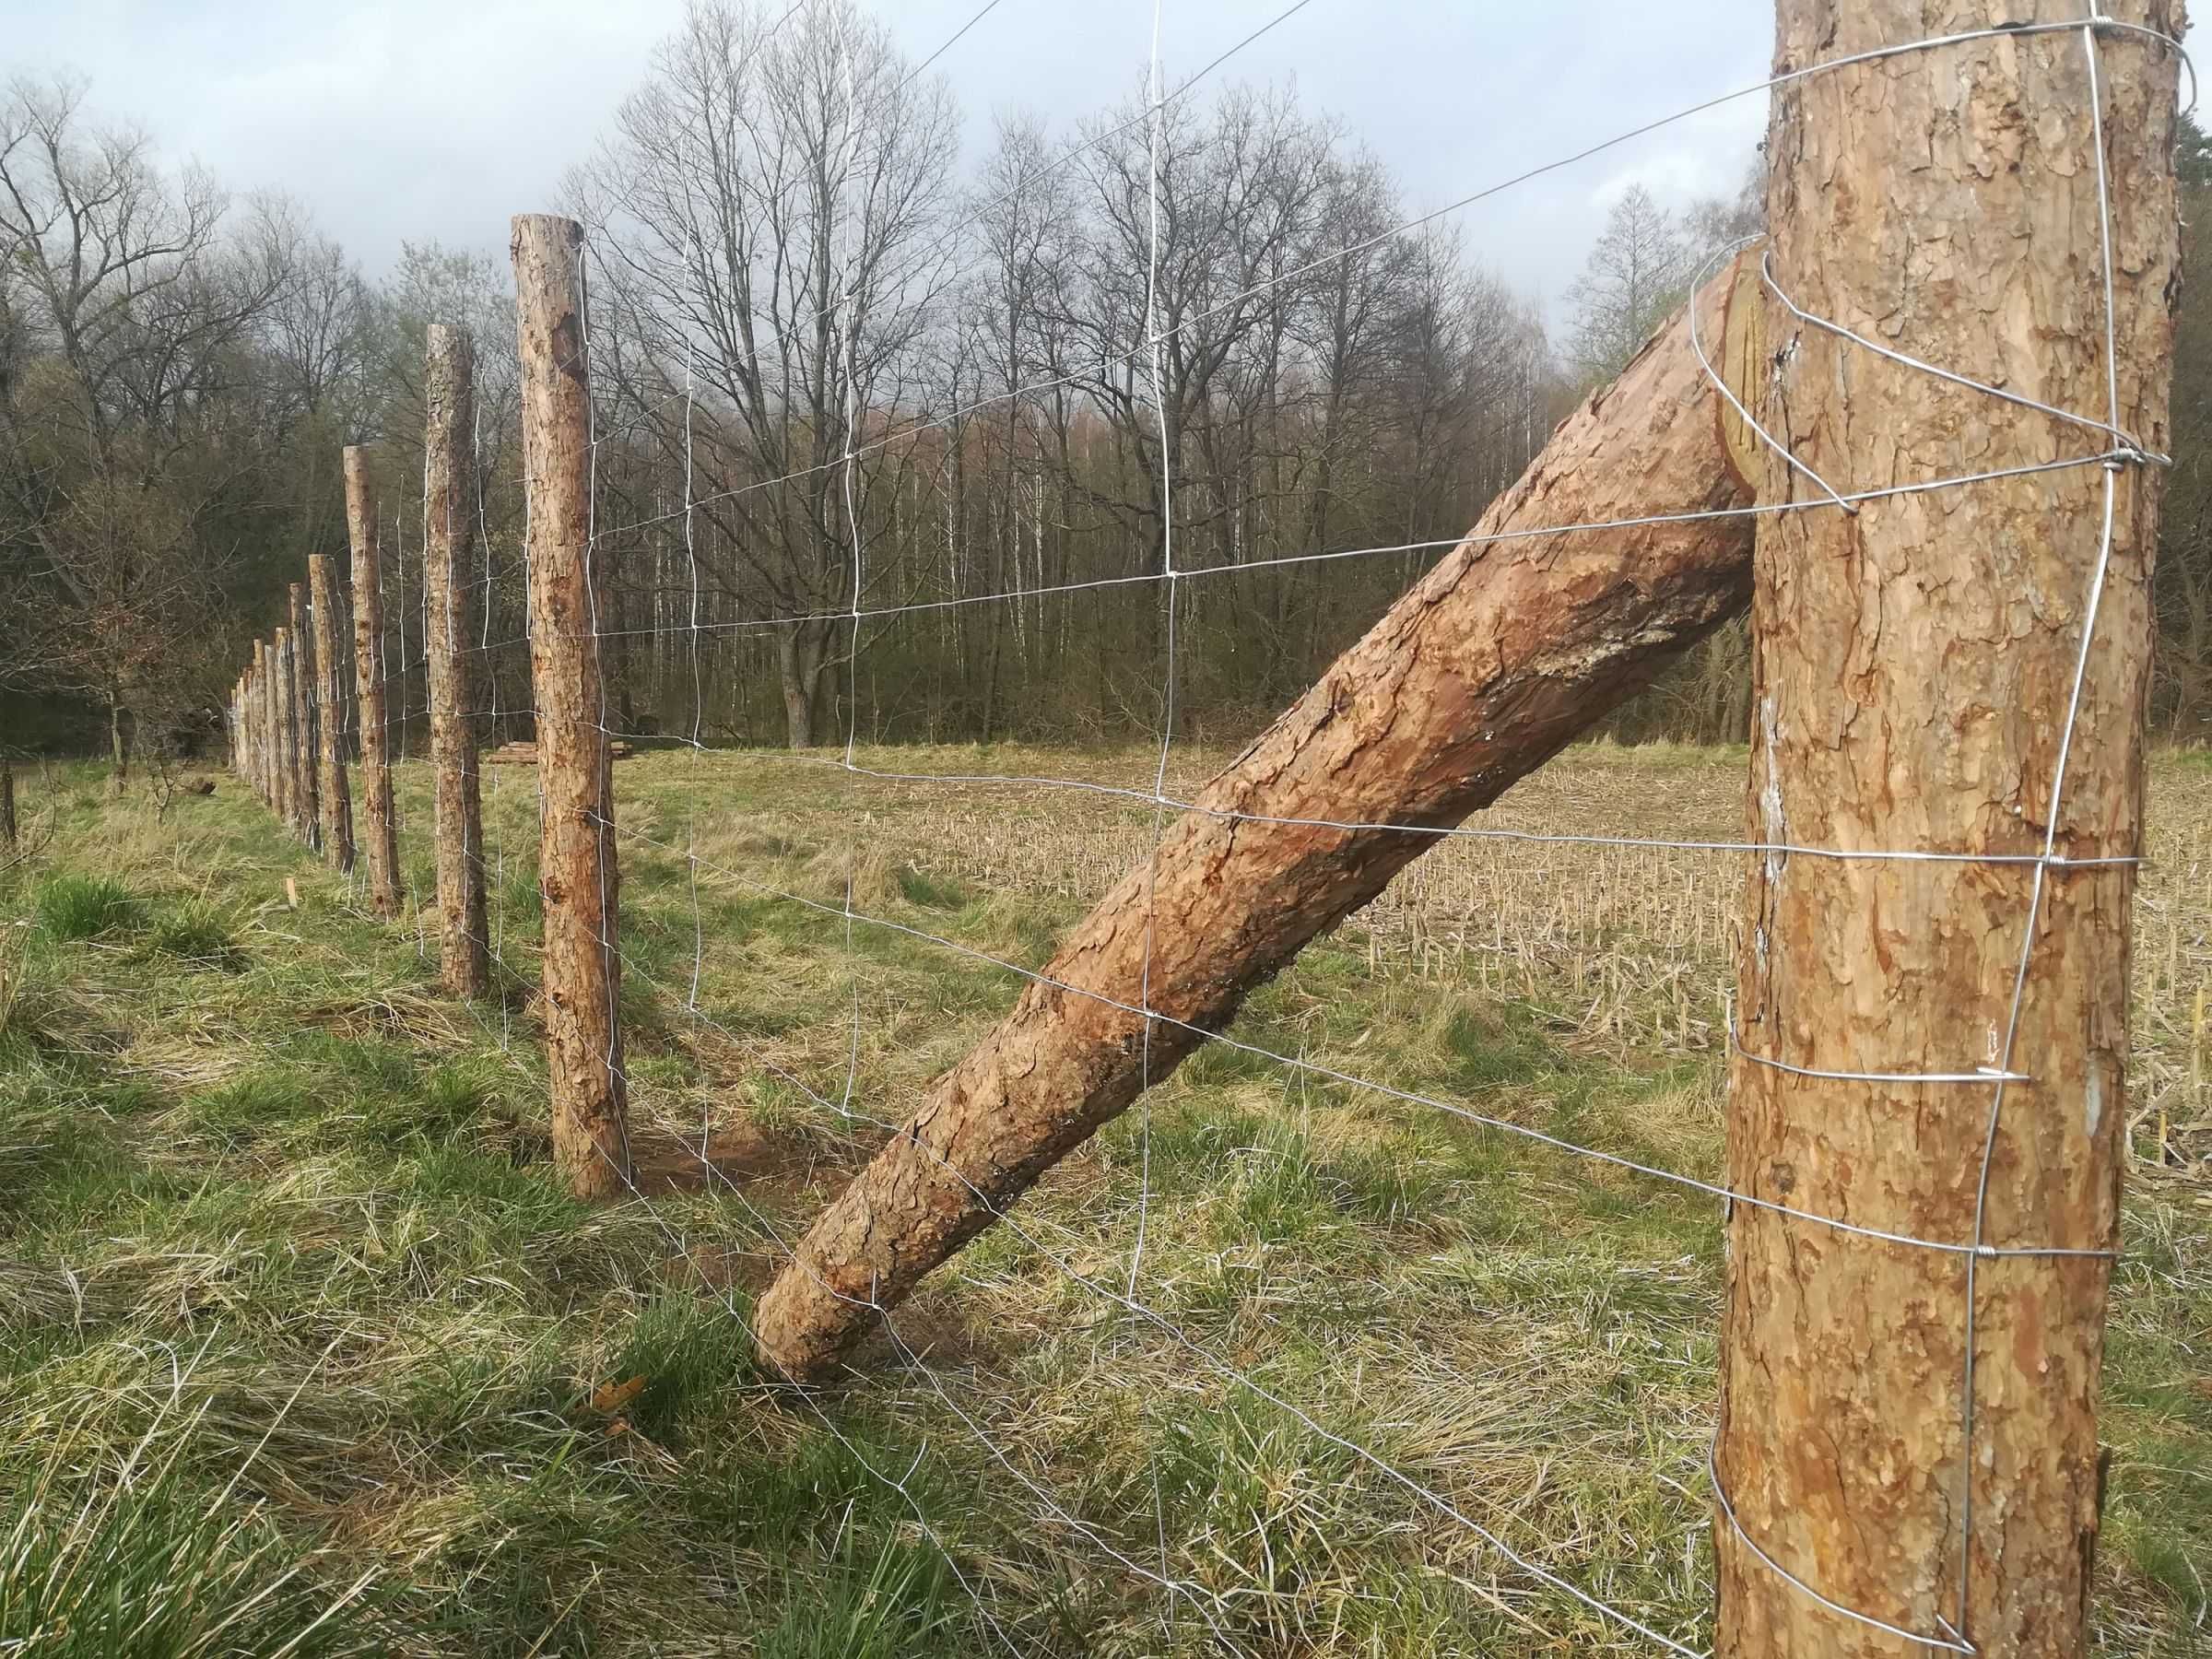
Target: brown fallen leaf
point(613, 1396)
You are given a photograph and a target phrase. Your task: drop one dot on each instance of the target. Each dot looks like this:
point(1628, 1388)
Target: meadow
point(306, 1351)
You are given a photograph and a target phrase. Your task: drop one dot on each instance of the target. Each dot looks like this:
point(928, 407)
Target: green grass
point(83, 906)
point(301, 1341)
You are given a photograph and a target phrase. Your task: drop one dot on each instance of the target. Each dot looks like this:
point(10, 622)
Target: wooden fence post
point(280, 704)
point(1910, 1432)
point(306, 784)
point(449, 389)
point(257, 696)
point(259, 678)
point(576, 858)
point(337, 804)
point(379, 831)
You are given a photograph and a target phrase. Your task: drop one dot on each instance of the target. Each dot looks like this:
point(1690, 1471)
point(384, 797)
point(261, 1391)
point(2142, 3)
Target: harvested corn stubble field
point(308, 1351)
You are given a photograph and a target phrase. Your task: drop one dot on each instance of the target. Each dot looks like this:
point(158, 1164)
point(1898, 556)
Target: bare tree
point(1633, 279)
point(132, 300)
point(767, 220)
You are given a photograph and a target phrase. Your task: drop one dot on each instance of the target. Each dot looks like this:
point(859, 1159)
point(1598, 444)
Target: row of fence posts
point(299, 710)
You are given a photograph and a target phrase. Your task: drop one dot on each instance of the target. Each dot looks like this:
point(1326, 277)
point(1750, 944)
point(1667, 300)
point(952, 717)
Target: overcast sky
point(422, 119)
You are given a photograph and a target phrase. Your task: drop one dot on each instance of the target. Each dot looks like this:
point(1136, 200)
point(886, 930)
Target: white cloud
point(439, 118)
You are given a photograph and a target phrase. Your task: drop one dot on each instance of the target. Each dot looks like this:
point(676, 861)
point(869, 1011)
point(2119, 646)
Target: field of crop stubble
point(304, 1345)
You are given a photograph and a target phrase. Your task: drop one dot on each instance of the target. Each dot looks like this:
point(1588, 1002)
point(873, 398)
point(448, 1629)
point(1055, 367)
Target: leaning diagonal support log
point(1521, 638)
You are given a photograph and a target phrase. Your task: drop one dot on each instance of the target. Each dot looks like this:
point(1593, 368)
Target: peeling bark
point(1512, 644)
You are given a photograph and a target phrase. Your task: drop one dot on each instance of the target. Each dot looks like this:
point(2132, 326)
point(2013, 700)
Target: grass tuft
point(84, 907)
point(142, 1559)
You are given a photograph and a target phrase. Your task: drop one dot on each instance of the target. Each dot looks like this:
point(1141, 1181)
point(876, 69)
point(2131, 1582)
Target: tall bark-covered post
point(378, 829)
point(1515, 642)
point(449, 387)
point(257, 721)
point(1914, 667)
point(576, 858)
point(7, 802)
point(330, 746)
point(307, 783)
point(257, 679)
point(280, 705)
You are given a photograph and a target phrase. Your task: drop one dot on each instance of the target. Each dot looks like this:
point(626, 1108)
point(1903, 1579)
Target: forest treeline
point(849, 392)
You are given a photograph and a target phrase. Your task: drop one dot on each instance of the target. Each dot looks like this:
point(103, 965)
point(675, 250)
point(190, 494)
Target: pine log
point(307, 782)
point(577, 867)
point(1913, 673)
point(282, 691)
point(379, 828)
point(1521, 638)
point(335, 794)
point(449, 517)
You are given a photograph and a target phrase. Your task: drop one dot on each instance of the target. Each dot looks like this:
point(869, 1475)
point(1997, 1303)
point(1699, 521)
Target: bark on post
point(257, 711)
point(379, 830)
point(307, 782)
point(1913, 674)
point(449, 388)
point(1510, 647)
point(280, 708)
point(335, 796)
point(576, 858)
point(258, 694)
point(7, 802)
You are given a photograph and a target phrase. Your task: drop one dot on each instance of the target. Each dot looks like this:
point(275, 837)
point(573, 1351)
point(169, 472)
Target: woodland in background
point(787, 264)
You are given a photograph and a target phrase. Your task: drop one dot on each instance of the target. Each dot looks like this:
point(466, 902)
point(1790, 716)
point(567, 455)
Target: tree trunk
point(379, 828)
point(119, 749)
point(576, 860)
point(795, 664)
point(307, 792)
point(337, 802)
point(1508, 648)
point(463, 951)
point(7, 802)
point(1913, 670)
